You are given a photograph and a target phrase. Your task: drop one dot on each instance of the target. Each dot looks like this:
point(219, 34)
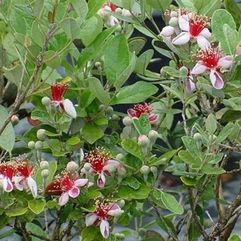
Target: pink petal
point(7, 184)
point(101, 180)
point(203, 43)
point(74, 192)
point(225, 62)
point(32, 185)
point(131, 112)
point(216, 80)
point(104, 228)
point(167, 31)
point(206, 33)
point(126, 13)
point(18, 182)
point(111, 21)
point(198, 69)
point(190, 85)
point(183, 24)
point(115, 210)
point(181, 39)
point(153, 118)
point(80, 182)
point(69, 108)
point(64, 198)
point(90, 219)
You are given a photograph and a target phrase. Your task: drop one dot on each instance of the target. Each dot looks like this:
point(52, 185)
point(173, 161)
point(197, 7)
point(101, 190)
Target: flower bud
point(87, 166)
point(143, 141)
point(145, 170)
point(46, 101)
point(118, 28)
point(101, 107)
point(109, 110)
point(153, 135)
point(31, 144)
point(45, 173)
point(44, 165)
point(212, 137)
point(119, 157)
point(167, 31)
point(121, 172)
point(115, 117)
point(41, 134)
point(197, 137)
point(98, 64)
point(127, 121)
point(121, 203)
point(142, 231)
point(118, 10)
point(72, 166)
point(184, 70)
point(119, 235)
point(14, 119)
point(38, 145)
point(153, 169)
point(173, 22)
point(173, 14)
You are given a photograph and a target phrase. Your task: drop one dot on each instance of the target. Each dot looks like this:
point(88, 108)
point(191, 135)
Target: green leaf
point(211, 123)
point(132, 182)
point(133, 148)
point(167, 201)
point(234, 9)
point(224, 133)
point(189, 4)
point(71, 28)
point(37, 205)
point(32, 228)
point(7, 138)
point(91, 234)
point(94, 6)
point(212, 170)
point(14, 212)
point(135, 93)
point(191, 146)
point(206, 7)
point(74, 140)
point(91, 133)
point(143, 61)
point(187, 158)
point(142, 125)
point(163, 159)
point(90, 30)
point(161, 5)
point(81, 8)
point(234, 237)
point(116, 58)
point(98, 90)
point(136, 44)
point(52, 59)
point(230, 42)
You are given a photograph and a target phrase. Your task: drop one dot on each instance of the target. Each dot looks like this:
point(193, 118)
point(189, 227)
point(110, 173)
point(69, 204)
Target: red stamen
point(102, 210)
point(66, 183)
point(7, 170)
point(140, 109)
point(58, 91)
point(24, 169)
point(112, 6)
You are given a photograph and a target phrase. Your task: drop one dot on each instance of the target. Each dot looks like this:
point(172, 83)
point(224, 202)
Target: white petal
point(17, 182)
point(126, 13)
point(80, 182)
point(82, 155)
point(206, 33)
point(7, 184)
point(111, 21)
point(74, 192)
point(32, 186)
point(203, 43)
point(183, 24)
point(69, 108)
point(190, 86)
point(167, 31)
point(181, 39)
point(101, 180)
point(104, 228)
point(225, 62)
point(115, 210)
point(216, 80)
point(63, 199)
point(198, 69)
point(90, 219)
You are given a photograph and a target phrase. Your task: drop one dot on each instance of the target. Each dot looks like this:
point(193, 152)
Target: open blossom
point(7, 172)
point(23, 178)
point(101, 216)
point(66, 187)
point(212, 60)
point(58, 90)
point(101, 164)
point(194, 27)
point(142, 109)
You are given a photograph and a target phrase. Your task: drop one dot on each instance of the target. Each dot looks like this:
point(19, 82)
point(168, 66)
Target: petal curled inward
point(90, 219)
point(18, 182)
point(80, 182)
point(74, 192)
point(32, 185)
point(225, 62)
point(199, 68)
point(167, 31)
point(111, 21)
point(216, 80)
point(115, 210)
point(190, 86)
point(181, 39)
point(101, 180)
point(64, 198)
point(153, 118)
point(69, 108)
point(203, 43)
point(206, 33)
point(183, 24)
point(7, 184)
point(104, 228)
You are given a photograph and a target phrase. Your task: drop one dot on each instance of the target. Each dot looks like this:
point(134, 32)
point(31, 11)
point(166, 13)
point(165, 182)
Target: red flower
point(7, 171)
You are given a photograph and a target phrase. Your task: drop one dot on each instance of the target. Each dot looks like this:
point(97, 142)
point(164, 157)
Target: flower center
point(24, 169)
point(210, 57)
point(58, 91)
point(66, 183)
point(196, 25)
point(141, 109)
point(112, 6)
point(7, 170)
point(102, 210)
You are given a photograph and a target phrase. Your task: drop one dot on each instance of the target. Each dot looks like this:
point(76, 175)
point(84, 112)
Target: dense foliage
point(72, 164)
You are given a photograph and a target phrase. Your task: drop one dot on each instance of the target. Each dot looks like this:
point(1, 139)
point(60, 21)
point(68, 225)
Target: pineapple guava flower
point(212, 60)
point(7, 171)
point(58, 90)
point(193, 28)
point(103, 212)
